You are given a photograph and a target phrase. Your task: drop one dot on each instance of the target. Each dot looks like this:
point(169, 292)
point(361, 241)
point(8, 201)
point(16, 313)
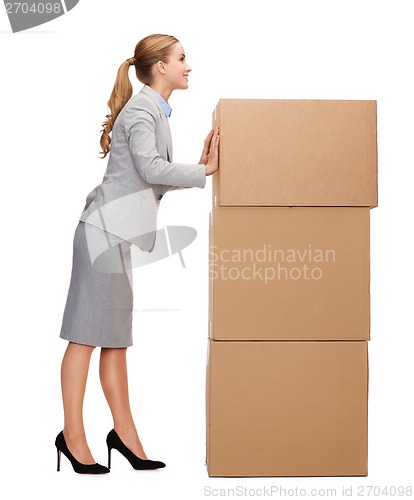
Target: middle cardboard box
point(289, 273)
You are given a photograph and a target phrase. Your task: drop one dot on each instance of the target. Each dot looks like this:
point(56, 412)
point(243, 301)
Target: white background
point(55, 82)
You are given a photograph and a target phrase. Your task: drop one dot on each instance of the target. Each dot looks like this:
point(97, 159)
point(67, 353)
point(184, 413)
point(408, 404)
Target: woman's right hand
point(213, 157)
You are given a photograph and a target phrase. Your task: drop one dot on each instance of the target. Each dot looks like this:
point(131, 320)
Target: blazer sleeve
point(149, 164)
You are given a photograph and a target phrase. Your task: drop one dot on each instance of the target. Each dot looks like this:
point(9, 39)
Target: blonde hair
point(148, 51)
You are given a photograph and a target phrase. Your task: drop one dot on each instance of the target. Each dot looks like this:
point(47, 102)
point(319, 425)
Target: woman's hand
point(207, 142)
point(213, 140)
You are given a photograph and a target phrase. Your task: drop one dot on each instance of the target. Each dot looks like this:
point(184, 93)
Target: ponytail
point(121, 93)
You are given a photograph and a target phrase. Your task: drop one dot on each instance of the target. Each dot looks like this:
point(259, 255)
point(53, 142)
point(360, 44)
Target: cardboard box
point(277, 152)
point(298, 273)
point(287, 408)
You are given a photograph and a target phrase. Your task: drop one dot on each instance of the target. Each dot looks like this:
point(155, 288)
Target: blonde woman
point(98, 311)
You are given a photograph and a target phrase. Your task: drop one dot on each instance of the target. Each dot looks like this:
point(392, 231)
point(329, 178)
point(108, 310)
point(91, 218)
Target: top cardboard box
point(278, 152)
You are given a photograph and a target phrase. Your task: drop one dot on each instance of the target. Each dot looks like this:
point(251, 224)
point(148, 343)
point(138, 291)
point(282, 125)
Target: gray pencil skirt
point(99, 305)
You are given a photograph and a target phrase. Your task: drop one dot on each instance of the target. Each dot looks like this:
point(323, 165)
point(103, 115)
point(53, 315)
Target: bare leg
point(114, 380)
point(74, 373)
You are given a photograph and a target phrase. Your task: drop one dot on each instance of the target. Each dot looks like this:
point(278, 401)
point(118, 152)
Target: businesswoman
point(119, 212)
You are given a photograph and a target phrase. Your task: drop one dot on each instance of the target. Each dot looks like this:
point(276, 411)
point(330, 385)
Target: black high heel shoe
point(113, 441)
point(77, 466)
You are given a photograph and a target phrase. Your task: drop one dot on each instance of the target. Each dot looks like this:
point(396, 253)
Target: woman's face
point(177, 69)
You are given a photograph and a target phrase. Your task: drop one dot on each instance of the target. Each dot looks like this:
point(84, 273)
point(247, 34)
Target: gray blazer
point(139, 172)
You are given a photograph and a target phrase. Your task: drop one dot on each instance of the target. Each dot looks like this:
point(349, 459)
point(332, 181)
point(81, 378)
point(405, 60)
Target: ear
point(160, 67)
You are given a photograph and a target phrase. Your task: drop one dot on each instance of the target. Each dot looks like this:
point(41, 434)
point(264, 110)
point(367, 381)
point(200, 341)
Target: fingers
point(211, 143)
point(215, 139)
point(208, 139)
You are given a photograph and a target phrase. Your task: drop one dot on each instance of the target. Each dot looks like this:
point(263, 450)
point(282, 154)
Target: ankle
point(74, 435)
point(127, 429)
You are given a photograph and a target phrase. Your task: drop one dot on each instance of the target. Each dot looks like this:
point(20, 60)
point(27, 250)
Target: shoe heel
point(109, 457)
point(58, 459)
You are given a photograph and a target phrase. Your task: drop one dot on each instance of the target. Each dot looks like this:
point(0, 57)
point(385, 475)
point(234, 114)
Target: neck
point(162, 90)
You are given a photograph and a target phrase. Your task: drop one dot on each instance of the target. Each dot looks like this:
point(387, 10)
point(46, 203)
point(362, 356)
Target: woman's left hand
point(206, 150)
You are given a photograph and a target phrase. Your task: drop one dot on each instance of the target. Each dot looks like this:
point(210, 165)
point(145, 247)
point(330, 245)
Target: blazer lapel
point(164, 121)
point(169, 140)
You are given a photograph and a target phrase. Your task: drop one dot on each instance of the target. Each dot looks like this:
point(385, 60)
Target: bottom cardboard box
point(276, 408)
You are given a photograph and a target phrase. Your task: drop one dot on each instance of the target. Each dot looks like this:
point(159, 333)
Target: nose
point(188, 68)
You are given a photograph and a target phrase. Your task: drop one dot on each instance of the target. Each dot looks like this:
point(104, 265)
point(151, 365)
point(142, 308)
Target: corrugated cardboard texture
point(279, 273)
point(276, 152)
point(287, 408)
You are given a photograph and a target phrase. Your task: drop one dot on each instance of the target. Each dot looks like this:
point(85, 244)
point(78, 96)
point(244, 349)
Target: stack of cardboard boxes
point(289, 288)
